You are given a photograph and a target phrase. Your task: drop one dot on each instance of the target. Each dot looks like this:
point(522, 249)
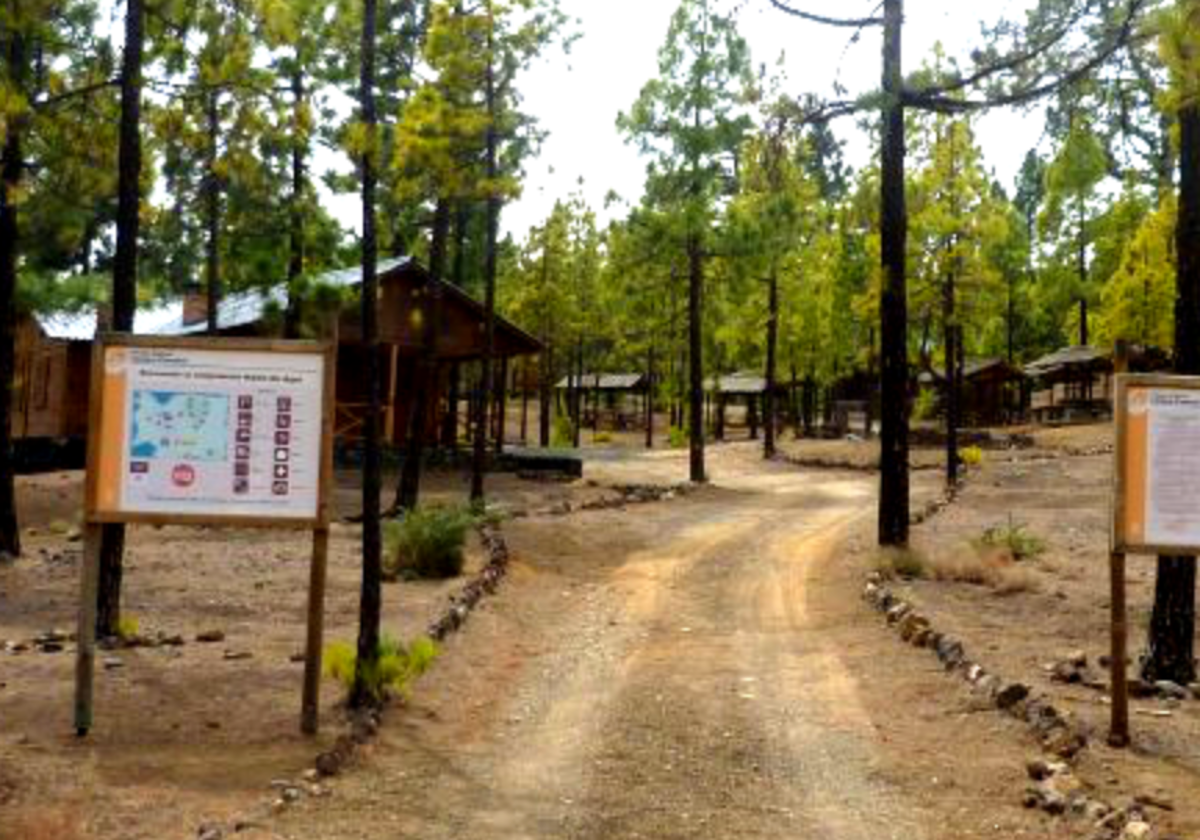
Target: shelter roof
point(737, 383)
point(1067, 360)
point(972, 369)
point(602, 381)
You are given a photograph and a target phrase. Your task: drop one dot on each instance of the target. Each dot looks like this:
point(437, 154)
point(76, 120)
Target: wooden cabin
point(991, 391)
point(745, 390)
point(50, 384)
point(1071, 384)
point(406, 296)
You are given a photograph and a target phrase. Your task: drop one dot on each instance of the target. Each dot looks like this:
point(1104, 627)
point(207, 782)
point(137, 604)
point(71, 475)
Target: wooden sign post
point(1156, 496)
point(201, 431)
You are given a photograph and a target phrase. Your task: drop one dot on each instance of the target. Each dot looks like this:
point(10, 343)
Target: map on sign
point(180, 426)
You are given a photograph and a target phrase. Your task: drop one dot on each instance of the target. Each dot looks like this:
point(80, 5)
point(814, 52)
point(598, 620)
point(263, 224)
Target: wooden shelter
point(51, 379)
point(1074, 383)
point(747, 389)
point(991, 391)
point(406, 298)
point(609, 392)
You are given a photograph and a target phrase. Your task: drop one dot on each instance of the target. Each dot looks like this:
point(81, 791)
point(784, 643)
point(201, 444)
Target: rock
point(1011, 694)
point(1172, 689)
point(291, 794)
point(1064, 742)
point(1078, 658)
point(329, 763)
point(1151, 801)
point(74, 535)
point(210, 636)
point(311, 775)
point(112, 663)
point(950, 652)
point(235, 655)
point(1094, 811)
point(1040, 769)
point(173, 640)
point(1136, 830)
point(1066, 672)
point(210, 831)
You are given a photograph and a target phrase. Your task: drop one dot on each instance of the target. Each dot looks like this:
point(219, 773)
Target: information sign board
point(189, 430)
point(1156, 506)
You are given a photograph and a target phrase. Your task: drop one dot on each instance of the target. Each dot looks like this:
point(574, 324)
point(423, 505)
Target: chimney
point(195, 305)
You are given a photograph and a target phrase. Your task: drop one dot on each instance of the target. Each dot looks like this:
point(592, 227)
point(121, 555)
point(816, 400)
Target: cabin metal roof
point(972, 368)
point(81, 325)
point(737, 383)
point(1069, 358)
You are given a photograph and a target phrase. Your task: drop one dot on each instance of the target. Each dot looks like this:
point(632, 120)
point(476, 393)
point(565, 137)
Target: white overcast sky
point(577, 97)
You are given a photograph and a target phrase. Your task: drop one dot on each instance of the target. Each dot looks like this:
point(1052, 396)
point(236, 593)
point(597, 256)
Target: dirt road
point(678, 684)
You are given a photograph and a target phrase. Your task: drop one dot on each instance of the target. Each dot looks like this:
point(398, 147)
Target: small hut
point(1071, 384)
point(621, 395)
point(743, 390)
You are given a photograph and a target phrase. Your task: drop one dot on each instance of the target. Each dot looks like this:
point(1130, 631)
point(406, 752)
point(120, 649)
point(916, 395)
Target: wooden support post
point(85, 633)
point(310, 710)
point(389, 422)
point(502, 405)
point(1118, 733)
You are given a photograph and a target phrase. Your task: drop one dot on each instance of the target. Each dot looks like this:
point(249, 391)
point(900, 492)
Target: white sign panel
point(1173, 489)
point(211, 433)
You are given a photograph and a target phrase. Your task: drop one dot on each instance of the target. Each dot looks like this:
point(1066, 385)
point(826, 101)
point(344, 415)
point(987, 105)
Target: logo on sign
point(184, 475)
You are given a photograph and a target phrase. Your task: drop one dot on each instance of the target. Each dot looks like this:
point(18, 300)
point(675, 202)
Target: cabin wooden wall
point(51, 385)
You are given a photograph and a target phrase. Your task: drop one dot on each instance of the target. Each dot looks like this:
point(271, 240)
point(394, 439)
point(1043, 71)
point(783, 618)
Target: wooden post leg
point(1118, 735)
point(310, 712)
point(85, 633)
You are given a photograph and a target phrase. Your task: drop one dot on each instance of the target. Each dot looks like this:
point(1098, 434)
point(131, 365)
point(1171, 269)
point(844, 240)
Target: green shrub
point(563, 433)
point(677, 438)
point(925, 405)
point(602, 437)
point(1015, 539)
point(128, 627)
point(395, 668)
point(972, 456)
point(427, 543)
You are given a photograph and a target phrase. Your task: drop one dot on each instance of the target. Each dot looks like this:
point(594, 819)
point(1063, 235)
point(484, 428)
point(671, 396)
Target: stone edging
point(363, 725)
point(1054, 787)
point(630, 494)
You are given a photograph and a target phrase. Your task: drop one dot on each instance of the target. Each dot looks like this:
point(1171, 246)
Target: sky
point(577, 97)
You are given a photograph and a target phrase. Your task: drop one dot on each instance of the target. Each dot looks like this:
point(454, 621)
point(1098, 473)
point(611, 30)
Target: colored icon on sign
point(183, 475)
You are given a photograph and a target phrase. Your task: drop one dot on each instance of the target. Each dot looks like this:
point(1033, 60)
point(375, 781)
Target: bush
point(677, 438)
point(128, 627)
point(602, 437)
point(427, 543)
point(1014, 539)
point(900, 562)
point(395, 669)
point(972, 456)
point(925, 405)
point(563, 433)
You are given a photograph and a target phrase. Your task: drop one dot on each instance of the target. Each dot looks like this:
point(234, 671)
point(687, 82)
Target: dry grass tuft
point(900, 562)
point(994, 569)
point(46, 824)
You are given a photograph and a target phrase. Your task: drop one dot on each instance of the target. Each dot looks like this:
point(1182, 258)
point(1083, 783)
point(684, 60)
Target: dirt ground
point(701, 667)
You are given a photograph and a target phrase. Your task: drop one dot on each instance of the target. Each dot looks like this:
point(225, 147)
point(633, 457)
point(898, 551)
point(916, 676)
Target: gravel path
point(656, 673)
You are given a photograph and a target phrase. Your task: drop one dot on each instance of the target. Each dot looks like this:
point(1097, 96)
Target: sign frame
point(96, 408)
point(95, 520)
point(1126, 382)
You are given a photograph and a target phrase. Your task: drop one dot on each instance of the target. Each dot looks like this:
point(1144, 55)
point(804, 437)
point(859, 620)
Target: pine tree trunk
point(695, 360)
point(546, 397)
point(212, 211)
point(479, 461)
point(772, 349)
point(125, 278)
point(1170, 645)
point(291, 321)
point(11, 169)
point(893, 306)
point(370, 609)
point(408, 491)
point(650, 398)
point(950, 381)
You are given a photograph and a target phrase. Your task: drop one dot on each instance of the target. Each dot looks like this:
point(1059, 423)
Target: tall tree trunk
point(650, 398)
point(408, 491)
point(950, 381)
point(212, 210)
point(291, 320)
point(546, 396)
point(479, 461)
point(11, 169)
point(695, 359)
point(893, 306)
point(772, 349)
point(1170, 651)
point(125, 278)
point(370, 609)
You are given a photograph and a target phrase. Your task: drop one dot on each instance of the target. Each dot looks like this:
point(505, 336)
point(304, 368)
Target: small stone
point(291, 794)
point(112, 663)
point(74, 535)
point(1011, 694)
point(1040, 769)
point(210, 636)
point(311, 775)
point(209, 831)
point(1151, 801)
point(1173, 690)
point(1078, 658)
point(1136, 830)
point(235, 655)
point(329, 763)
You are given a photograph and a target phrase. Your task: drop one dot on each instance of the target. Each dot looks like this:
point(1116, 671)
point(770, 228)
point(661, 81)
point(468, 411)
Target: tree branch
point(827, 21)
point(68, 95)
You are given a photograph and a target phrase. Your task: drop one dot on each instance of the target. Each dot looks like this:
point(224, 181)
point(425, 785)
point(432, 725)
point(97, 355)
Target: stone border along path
point(363, 726)
point(630, 494)
point(1054, 787)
